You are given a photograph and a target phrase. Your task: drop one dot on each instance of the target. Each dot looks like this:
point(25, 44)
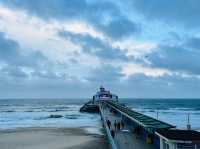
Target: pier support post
point(161, 143)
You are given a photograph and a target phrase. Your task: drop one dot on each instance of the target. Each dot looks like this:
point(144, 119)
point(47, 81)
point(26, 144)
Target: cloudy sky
point(68, 48)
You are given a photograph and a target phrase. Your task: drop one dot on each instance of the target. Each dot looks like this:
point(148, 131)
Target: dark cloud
point(95, 46)
point(193, 43)
point(174, 36)
point(45, 74)
point(13, 72)
point(8, 49)
point(176, 58)
point(120, 28)
point(44, 88)
point(50, 9)
point(41, 81)
point(10, 54)
point(167, 86)
point(105, 74)
point(14, 61)
point(95, 13)
point(106, 17)
point(183, 11)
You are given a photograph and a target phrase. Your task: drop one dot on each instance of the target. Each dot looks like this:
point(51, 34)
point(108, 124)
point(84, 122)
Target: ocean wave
point(38, 108)
point(29, 111)
point(72, 116)
point(55, 116)
point(48, 117)
point(41, 118)
point(53, 110)
point(153, 108)
point(8, 111)
point(197, 109)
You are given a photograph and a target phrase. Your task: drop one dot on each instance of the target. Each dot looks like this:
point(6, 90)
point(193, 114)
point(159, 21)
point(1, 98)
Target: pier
point(140, 131)
point(129, 129)
point(124, 138)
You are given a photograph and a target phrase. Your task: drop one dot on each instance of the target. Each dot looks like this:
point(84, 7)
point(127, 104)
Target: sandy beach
point(51, 138)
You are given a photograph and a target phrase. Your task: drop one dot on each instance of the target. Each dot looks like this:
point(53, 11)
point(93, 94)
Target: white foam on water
point(36, 114)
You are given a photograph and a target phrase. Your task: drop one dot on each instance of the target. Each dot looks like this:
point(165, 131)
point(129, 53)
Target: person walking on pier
point(118, 125)
point(122, 124)
point(112, 133)
point(108, 123)
point(115, 125)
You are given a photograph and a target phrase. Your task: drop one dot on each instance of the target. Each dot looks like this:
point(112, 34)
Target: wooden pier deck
point(124, 138)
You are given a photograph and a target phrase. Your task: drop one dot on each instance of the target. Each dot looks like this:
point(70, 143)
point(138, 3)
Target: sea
point(20, 113)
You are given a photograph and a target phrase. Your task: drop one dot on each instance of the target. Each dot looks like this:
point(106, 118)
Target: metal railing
point(110, 138)
point(133, 115)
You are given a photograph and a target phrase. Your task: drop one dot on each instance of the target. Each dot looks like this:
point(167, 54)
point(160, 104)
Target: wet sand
point(51, 138)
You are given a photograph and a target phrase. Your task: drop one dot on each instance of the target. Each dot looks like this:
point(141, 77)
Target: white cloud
point(80, 27)
point(68, 68)
point(135, 48)
point(33, 33)
point(131, 69)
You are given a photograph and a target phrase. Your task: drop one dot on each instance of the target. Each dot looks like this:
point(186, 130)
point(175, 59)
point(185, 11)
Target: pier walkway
point(128, 129)
point(124, 138)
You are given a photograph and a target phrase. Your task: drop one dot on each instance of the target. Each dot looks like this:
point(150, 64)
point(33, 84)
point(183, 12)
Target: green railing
point(147, 122)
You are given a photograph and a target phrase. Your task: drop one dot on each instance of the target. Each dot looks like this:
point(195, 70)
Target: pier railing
point(149, 123)
point(110, 138)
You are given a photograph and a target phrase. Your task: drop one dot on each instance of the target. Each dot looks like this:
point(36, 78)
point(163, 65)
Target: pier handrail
point(110, 138)
point(129, 113)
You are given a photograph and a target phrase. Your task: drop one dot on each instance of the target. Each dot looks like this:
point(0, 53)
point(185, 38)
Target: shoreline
point(51, 138)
